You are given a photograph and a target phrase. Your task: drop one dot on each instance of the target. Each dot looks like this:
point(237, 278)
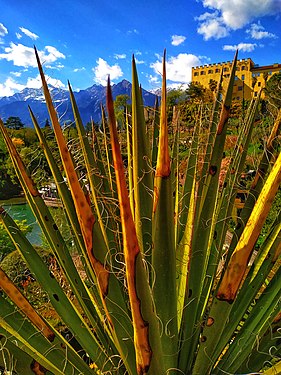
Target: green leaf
point(164, 254)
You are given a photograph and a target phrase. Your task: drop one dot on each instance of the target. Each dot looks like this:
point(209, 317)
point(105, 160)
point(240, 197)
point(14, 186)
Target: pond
point(22, 211)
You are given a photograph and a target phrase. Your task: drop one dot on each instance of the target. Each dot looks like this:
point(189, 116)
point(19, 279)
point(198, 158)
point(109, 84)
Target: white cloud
point(134, 31)
point(79, 69)
point(244, 47)
point(178, 68)
point(3, 32)
point(153, 79)
point(24, 56)
point(35, 83)
point(54, 54)
point(118, 56)
point(230, 15)
point(212, 26)
point(205, 58)
point(10, 86)
point(177, 39)
point(177, 86)
point(103, 70)
point(257, 31)
point(55, 67)
point(18, 35)
point(19, 54)
point(139, 61)
point(16, 74)
point(29, 33)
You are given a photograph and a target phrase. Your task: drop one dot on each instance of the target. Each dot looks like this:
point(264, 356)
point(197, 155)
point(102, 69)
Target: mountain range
point(89, 102)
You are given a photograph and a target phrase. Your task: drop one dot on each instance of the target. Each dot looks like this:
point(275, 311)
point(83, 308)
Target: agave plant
point(165, 292)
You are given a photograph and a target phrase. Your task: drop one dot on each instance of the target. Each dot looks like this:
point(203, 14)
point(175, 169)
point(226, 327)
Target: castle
point(249, 78)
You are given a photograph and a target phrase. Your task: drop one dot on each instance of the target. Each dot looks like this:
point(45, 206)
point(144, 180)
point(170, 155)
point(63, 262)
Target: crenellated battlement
point(224, 63)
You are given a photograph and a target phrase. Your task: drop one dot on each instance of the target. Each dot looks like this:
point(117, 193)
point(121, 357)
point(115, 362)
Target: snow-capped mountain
point(89, 102)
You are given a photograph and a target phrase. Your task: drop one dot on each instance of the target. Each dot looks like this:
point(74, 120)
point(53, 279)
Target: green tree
point(47, 124)
point(120, 105)
point(33, 157)
point(14, 123)
point(195, 91)
point(254, 81)
point(273, 90)
point(3, 155)
point(175, 97)
point(6, 244)
point(9, 186)
point(213, 85)
point(28, 135)
point(89, 125)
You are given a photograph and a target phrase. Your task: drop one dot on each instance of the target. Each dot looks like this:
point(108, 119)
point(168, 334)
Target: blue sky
point(85, 40)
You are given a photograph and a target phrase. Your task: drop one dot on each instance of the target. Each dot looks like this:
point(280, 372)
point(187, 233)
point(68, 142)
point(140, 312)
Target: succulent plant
point(166, 291)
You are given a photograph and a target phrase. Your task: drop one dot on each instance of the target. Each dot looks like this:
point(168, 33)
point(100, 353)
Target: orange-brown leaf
point(82, 205)
point(19, 299)
point(131, 248)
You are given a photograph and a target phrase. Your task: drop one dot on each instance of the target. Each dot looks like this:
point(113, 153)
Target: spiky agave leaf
point(203, 232)
point(62, 304)
point(97, 245)
point(237, 265)
point(267, 349)
point(163, 255)
point(268, 155)
point(150, 331)
point(55, 355)
point(238, 262)
point(142, 171)
point(254, 327)
point(146, 336)
point(18, 299)
point(49, 227)
point(254, 282)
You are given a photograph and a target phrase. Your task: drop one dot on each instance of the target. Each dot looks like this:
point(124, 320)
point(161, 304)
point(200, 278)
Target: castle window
point(243, 67)
point(259, 84)
point(196, 74)
point(217, 70)
point(202, 73)
point(243, 77)
point(240, 88)
point(225, 69)
point(210, 71)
